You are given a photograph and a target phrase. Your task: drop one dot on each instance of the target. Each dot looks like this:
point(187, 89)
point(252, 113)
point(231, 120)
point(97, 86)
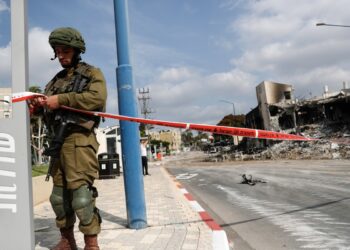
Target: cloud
point(208, 114)
point(241, 43)
point(275, 40)
point(3, 6)
point(5, 55)
point(179, 92)
point(5, 67)
point(312, 83)
point(149, 59)
point(41, 68)
point(280, 42)
point(176, 74)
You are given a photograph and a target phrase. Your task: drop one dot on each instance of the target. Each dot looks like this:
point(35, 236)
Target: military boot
point(67, 241)
point(91, 242)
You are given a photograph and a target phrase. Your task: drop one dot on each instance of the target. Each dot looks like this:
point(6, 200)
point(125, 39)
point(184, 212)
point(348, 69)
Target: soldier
point(78, 85)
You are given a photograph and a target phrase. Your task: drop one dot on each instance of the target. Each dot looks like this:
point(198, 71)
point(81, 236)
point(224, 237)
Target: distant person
point(144, 156)
point(73, 145)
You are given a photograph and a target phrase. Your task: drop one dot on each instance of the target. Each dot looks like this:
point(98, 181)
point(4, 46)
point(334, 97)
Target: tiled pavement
point(172, 223)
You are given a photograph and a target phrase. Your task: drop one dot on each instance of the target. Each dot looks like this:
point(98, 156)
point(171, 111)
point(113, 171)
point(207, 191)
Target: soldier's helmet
point(67, 36)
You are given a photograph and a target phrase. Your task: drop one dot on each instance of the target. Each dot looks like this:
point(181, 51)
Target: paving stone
point(172, 223)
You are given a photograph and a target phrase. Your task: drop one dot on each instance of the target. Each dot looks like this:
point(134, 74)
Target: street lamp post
point(335, 25)
point(233, 106)
point(235, 138)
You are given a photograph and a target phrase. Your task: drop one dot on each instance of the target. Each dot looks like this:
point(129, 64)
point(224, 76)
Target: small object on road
point(250, 181)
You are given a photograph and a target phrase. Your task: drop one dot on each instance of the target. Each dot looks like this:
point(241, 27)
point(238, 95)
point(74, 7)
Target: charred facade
point(278, 110)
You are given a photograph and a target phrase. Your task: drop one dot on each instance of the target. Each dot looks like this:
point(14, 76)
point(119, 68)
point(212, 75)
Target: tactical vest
point(70, 80)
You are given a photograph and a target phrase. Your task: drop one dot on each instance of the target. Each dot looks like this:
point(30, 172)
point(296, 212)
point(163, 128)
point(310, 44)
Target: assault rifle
point(65, 119)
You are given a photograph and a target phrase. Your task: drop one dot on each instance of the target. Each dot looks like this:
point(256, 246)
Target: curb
point(220, 241)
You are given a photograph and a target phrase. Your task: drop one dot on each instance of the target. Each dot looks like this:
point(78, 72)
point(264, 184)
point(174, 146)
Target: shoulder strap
point(54, 79)
point(84, 69)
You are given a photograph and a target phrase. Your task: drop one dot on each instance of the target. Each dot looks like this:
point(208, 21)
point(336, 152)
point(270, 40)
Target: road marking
point(219, 240)
point(302, 224)
point(186, 176)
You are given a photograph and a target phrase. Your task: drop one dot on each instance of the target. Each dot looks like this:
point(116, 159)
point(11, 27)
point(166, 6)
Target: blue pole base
point(138, 224)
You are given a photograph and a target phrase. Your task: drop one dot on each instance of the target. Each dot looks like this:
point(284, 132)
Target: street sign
point(16, 205)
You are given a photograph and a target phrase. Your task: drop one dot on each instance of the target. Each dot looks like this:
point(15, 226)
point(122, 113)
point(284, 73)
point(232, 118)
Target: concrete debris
point(250, 181)
point(326, 118)
point(333, 143)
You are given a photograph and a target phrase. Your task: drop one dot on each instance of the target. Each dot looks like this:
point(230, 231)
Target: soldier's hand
point(52, 102)
point(36, 102)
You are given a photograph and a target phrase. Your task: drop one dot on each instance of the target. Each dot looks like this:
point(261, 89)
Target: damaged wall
point(270, 93)
point(278, 111)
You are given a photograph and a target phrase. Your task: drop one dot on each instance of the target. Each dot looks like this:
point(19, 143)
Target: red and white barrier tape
point(23, 96)
point(244, 132)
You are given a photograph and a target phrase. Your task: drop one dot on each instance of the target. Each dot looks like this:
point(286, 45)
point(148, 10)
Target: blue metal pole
point(130, 136)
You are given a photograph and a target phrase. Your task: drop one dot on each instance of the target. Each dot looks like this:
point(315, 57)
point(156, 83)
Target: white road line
point(298, 224)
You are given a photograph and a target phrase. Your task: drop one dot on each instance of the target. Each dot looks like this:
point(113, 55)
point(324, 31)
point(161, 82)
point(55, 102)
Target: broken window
point(287, 95)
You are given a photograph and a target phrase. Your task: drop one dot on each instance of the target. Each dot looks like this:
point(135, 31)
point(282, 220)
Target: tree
point(187, 138)
point(37, 131)
point(230, 121)
point(160, 144)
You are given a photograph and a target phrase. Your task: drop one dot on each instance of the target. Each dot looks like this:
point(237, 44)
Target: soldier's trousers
point(73, 178)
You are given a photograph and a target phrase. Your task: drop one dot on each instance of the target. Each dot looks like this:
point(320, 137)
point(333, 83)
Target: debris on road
point(250, 181)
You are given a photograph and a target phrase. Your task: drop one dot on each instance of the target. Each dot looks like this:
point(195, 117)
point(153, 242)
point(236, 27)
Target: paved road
point(303, 205)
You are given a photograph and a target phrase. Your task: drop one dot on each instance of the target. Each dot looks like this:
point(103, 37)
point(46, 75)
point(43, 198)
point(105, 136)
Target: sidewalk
point(172, 222)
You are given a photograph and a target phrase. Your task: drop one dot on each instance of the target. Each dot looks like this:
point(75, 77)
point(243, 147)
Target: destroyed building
point(325, 116)
point(275, 112)
point(330, 108)
point(276, 116)
point(280, 111)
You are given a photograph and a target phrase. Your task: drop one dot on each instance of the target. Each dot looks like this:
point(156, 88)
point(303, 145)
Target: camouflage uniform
point(76, 169)
point(78, 165)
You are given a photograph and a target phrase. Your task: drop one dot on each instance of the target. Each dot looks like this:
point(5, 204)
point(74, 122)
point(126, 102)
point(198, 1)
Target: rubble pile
point(333, 143)
point(322, 149)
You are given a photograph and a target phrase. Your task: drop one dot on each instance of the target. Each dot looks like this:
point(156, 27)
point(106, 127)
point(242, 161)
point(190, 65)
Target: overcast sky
point(193, 53)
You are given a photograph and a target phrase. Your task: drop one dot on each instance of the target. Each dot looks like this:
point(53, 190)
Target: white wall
point(101, 135)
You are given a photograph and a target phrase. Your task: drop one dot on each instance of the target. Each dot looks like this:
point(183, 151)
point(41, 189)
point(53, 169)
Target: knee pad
point(83, 204)
point(57, 201)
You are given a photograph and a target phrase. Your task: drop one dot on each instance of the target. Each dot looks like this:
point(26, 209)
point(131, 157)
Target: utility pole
point(144, 98)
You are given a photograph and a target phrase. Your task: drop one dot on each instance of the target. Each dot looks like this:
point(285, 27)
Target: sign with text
point(16, 205)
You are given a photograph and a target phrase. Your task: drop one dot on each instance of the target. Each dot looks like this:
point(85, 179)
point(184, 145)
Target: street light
point(336, 25)
point(233, 105)
point(235, 138)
